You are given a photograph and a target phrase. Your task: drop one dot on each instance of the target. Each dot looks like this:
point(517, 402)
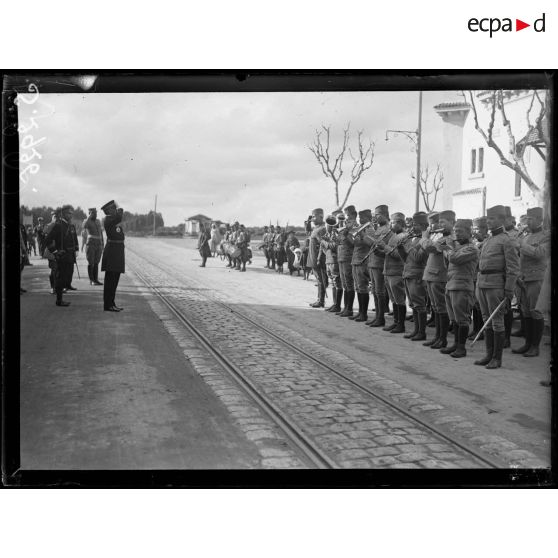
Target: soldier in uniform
point(92, 234)
point(41, 235)
point(291, 244)
point(498, 271)
point(359, 262)
point(55, 215)
point(534, 248)
point(345, 246)
point(393, 271)
point(328, 246)
point(242, 243)
point(435, 274)
point(271, 246)
point(63, 243)
point(480, 233)
point(462, 257)
point(316, 260)
point(523, 229)
point(113, 262)
point(279, 248)
point(264, 246)
point(203, 243)
point(513, 233)
point(415, 261)
point(376, 260)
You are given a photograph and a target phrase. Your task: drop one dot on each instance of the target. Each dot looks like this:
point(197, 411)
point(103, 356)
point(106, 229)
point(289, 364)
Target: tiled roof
point(452, 105)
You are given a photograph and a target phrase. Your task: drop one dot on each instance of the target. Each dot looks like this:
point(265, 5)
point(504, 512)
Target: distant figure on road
point(39, 231)
point(113, 263)
point(92, 235)
point(31, 245)
point(203, 242)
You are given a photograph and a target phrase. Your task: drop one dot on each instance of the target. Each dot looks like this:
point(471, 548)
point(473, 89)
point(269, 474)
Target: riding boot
point(333, 307)
point(345, 311)
point(345, 297)
point(380, 320)
point(451, 348)
point(437, 334)
point(537, 329)
point(521, 331)
point(443, 339)
point(400, 311)
point(370, 322)
point(415, 324)
point(320, 302)
point(204, 259)
point(421, 331)
point(489, 343)
point(508, 320)
point(338, 299)
point(528, 326)
point(350, 300)
point(462, 332)
point(395, 317)
point(496, 361)
point(365, 299)
point(431, 322)
point(359, 298)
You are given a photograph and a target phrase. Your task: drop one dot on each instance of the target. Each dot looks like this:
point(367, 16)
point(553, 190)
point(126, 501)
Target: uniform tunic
point(329, 247)
point(94, 242)
point(415, 261)
point(435, 273)
point(393, 269)
point(498, 272)
point(62, 236)
point(315, 260)
point(345, 249)
point(376, 259)
point(359, 262)
point(113, 255)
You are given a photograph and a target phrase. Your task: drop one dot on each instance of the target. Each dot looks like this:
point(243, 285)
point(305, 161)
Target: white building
point(192, 224)
point(474, 177)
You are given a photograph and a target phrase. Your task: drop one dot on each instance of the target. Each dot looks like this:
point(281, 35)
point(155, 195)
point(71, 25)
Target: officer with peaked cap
point(415, 260)
point(376, 260)
point(462, 257)
point(435, 275)
point(113, 262)
point(498, 272)
point(534, 249)
point(316, 259)
point(345, 248)
point(359, 262)
point(92, 234)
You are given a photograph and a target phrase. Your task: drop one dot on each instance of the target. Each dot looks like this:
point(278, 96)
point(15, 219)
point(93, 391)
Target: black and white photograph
point(279, 273)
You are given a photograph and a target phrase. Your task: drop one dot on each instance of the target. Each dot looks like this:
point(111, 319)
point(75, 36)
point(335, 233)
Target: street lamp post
point(415, 137)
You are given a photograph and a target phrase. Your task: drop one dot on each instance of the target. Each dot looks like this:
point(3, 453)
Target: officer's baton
point(489, 320)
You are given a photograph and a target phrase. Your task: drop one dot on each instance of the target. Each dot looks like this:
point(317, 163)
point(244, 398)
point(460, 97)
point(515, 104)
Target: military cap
point(241, 226)
point(318, 211)
point(351, 209)
point(507, 209)
point(365, 213)
point(535, 212)
point(331, 220)
point(479, 222)
point(382, 210)
point(236, 223)
point(420, 218)
point(398, 217)
point(467, 223)
point(448, 215)
point(92, 209)
point(40, 219)
point(266, 228)
point(337, 212)
point(108, 205)
point(496, 211)
point(341, 217)
point(433, 217)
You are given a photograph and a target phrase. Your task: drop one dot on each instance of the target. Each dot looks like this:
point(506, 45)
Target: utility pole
point(154, 214)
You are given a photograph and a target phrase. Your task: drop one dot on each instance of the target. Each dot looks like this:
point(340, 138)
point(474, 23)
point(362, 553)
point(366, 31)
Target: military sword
point(489, 320)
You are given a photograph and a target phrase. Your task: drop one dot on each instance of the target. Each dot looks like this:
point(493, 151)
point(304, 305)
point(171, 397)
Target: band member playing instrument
point(360, 264)
point(462, 257)
point(203, 242)
point(415, 286)
point(345, 247)
point(328, 245)
point(498, 271)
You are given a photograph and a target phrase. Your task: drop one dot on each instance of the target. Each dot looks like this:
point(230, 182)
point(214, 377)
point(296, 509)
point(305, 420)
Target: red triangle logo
point(519, 25)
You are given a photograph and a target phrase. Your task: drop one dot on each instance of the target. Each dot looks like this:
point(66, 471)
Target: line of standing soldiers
point(235, 246)
point(279, 247)
point(455, 265)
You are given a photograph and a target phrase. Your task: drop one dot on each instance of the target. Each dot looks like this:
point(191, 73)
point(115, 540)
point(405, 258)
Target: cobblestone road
point(355, 430)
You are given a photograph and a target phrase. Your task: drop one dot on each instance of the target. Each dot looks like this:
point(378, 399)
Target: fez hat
point(397, 217)
point(351, 209)
point(40, 219)
point(507, 209)
point(318, 211)
point(337, 212)
point(236, 223)
point(242, 226)
point(331, 220)
point(92, 209)
point(480, 222)
point(365, 213)
point(341, 217)
point(496, 211)
point(467, 223)
point(382, 210)
point(433, 217)
point(266, 228)
point(420, 218)
point(448, 215)
point(65, 207)
point(523, 218)
point(108, 205)
point(535, 212)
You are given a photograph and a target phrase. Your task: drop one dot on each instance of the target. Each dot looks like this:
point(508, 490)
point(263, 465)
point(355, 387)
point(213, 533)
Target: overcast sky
point(230, 156)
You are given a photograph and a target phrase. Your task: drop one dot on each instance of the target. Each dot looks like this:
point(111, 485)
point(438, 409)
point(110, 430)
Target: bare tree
point(430, 185)
point(332, 166)
point(535, 136)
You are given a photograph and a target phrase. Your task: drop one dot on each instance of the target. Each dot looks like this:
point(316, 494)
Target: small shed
point(192, 224)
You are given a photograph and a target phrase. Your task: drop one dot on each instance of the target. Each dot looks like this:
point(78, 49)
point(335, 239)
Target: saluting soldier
point(415, 261)
point(360, 264)
point(462, 257)
point(329, 247)
point(62, 241)
point(92, 234)
point(393, 272)
point(316, 261)
point(376, 260)
point(345, 247)
point(498, 272)
point(533, 248)
point(113, 261)
point(435, 274)
point(513, 233)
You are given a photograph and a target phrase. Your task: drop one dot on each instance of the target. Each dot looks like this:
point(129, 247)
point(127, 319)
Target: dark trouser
point(62, 277)
point(109, 288)
point(320, 273)
point(93, 252)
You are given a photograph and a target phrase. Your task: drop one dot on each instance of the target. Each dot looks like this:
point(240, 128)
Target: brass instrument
point(361, 229)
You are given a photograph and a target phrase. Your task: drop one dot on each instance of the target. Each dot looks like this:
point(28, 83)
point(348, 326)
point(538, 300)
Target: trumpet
point(361, 229)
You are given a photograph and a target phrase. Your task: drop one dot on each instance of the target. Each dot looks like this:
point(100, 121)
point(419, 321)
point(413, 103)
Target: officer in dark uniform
point(359, 262)
point(113, 263)
point(316, 260)
point(62, 241)
point(498, 271)
point(92, 234)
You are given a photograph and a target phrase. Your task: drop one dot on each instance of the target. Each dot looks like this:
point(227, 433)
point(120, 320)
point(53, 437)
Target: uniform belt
point(93, 236)
point(491, 271)
point(115, 241)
